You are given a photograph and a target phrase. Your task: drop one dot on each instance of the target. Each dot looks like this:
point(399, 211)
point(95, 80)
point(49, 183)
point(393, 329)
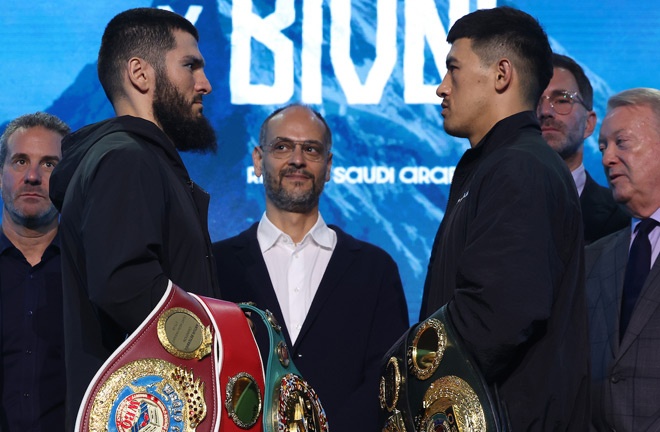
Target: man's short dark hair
point(147, 33)
point(583, 83)
point(27, 121)
point(508, 32)
point(327, 135)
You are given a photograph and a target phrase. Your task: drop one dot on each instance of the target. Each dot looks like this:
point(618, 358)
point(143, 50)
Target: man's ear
point(591, 124)
point(140, 74)
point(328, 169)
point(504, 74)
point(257, 161)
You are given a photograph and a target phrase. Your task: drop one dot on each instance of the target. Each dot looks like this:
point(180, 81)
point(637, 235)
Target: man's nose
point(33, 175)
point(544, 109)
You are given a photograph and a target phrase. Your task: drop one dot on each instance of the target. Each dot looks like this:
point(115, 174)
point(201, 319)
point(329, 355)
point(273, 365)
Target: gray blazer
point(625, 371)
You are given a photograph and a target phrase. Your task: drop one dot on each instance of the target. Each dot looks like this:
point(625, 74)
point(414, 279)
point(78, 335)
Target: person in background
point(132, 220)
point(32, 380)
point(508, 258)
point(339, 300)
point(566, 114)
point(623, 273)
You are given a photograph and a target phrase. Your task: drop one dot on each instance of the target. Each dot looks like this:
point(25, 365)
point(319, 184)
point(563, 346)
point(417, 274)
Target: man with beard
point(32, 379)
point(566, 114)
point(339, 300)
point(132, 219)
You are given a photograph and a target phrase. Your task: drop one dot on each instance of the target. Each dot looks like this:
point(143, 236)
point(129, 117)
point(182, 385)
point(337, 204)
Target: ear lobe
point(140, 74)
point(504, 75)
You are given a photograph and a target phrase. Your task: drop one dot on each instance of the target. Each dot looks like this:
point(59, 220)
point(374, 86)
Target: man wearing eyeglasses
point(339, 300)
point(566, 114)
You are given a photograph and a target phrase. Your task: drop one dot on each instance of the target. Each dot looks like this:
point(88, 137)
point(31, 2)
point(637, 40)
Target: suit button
point(615, 379)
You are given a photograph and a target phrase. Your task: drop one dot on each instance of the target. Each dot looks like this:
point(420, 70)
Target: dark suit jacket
point(626, 374)
point(601, 215)
point(358, 312)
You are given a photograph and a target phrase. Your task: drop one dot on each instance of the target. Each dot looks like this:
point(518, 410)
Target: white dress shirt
point(295, 270)
point(580, 178)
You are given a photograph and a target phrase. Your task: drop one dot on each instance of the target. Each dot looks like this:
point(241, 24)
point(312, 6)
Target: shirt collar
point(580, 178)
point(635, 221)
point(268, 234)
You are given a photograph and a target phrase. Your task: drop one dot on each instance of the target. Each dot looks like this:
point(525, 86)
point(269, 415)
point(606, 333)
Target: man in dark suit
point(624, 320)
point(566, 114)
point(339, 300)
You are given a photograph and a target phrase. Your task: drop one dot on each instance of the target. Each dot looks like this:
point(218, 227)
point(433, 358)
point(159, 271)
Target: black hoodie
point(131, 219)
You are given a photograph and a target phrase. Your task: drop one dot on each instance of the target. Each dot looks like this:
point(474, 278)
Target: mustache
point(298, 171)
point(32, 189)
point(552, 123)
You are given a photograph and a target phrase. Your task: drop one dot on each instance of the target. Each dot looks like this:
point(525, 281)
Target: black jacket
point(131, 219)
point(508, 259)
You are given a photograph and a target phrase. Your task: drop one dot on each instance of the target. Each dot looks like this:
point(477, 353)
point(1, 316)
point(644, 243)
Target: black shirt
point(33, 380)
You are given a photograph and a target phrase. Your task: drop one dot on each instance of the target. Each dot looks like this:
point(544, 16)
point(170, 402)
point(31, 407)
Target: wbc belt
point(291, 404)
point(430, 383)
point(192, 365)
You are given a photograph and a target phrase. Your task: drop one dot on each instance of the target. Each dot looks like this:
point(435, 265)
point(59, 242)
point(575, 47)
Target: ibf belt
point(429, 383)
point(291, 404)
point(173, 373)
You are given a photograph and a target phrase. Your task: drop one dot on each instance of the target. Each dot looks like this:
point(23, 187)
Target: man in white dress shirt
point(339, 300)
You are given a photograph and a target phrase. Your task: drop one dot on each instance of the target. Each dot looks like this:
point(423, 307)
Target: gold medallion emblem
point(427, 348)
point(450, 404)
point(148, 394)
point(390, 384)
point(243, 400)
point(183, 335)
point(299, 407)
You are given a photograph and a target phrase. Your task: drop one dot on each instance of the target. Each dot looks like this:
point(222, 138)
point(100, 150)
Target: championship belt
point(430, 383)
point(192, 365)
point(291, 404)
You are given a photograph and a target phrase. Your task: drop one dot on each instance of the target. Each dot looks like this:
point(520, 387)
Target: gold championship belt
point(430, 384)
point(192, 365)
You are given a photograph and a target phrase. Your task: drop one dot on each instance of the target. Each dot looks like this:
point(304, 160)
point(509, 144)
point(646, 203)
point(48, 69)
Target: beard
point(292, 201)
point(174, 113)
point(31, 221)
point(568, 144)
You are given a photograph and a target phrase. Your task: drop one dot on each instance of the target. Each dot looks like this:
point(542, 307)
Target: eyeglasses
point(562, 102)
point(281, 148)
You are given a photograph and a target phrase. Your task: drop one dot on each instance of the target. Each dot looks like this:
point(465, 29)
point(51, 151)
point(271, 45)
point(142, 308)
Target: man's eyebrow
point(195, 60)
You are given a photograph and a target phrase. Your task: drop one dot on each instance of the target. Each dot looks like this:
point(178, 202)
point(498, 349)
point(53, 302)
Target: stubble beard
point(31, 221)
point(296, 202)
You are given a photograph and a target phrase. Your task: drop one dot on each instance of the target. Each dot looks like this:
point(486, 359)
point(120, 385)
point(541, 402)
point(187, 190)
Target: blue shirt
point(31, 339)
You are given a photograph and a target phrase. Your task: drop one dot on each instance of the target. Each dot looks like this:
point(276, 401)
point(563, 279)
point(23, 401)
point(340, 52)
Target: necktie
point(637, 269)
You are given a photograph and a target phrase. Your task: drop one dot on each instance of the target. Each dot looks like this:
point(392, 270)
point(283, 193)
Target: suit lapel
point(258, 279)
point(621, 248)
point(340, 261)
point(646, 305)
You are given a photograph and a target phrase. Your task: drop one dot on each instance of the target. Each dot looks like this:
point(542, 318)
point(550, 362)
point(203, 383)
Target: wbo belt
point(174, 372)
point(430, 383)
